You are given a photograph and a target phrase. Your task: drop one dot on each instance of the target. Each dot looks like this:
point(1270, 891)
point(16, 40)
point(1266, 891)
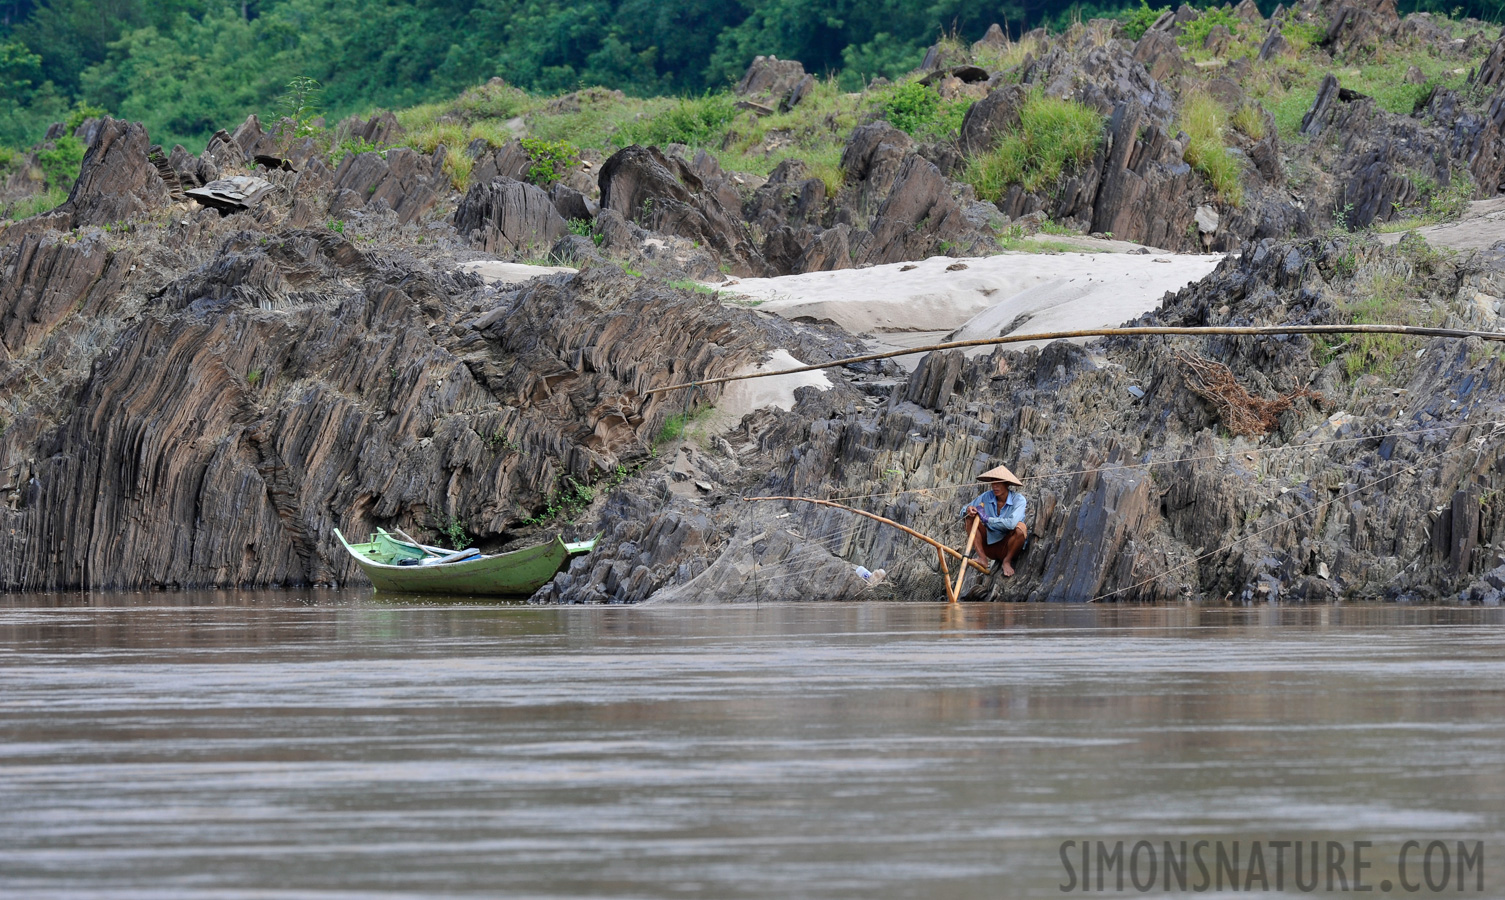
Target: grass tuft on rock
point(1053, 137)
point(1204, 121)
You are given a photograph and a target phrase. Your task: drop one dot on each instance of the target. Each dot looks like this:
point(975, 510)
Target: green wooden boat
point(515, 574)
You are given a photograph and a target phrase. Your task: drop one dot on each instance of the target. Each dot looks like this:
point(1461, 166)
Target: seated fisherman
point(1001, 509)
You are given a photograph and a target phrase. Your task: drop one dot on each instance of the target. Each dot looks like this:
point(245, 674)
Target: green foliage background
point(187, 67)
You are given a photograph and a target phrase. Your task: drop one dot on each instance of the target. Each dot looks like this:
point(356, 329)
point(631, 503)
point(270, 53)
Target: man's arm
point(1013, 514)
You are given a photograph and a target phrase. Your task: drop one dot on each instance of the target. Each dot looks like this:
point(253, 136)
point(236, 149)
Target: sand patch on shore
point(742, 397)
point(943, 298)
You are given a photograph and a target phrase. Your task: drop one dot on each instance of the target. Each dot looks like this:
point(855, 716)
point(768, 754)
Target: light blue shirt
point(1000, 519)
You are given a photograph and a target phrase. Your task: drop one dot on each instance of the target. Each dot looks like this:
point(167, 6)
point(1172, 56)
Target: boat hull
point(515, 574)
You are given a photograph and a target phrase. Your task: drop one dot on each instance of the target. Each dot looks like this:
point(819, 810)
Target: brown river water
point(322, 745)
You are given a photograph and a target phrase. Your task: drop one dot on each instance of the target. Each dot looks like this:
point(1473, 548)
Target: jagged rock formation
point(773, 85)
point(666, 194)
point(117, 181)
point(1373, 492)
point(282, 389)
point(402, 180)
point(202, 400)
point(190, 400)
point(506, 216)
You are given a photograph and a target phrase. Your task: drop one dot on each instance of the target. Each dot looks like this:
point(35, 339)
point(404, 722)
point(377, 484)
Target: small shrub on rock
point(1138, 21)
point(61, 162)
point(1194, 33)
point(549, 160)
point(918, 110)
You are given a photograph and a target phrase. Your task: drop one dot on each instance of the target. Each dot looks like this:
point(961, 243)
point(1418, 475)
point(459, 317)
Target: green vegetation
point(1009, 56)
point(1053, 137)
point(1138, 21)
point(676, 425)
point(35, 204)
point(692, 121)
point(499, 438)
point(1204, 121)
point(549, 160)
point(571, 496)
point(1450, 203)
point(1439, 204)
point(455, 532)
point(1377, 353)
point(917, 109)
point(1302, 36)
point(188, 67)
point(1381, 300)
point(1195, 32)
point(1249, 121)
point(1287, 86)
point(61, 162)
point(299, 104)
point(815, 132)
point(685, 284)
point(351, 147)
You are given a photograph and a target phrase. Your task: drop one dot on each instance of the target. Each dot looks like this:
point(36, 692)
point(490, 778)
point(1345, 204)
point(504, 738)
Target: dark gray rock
point(1358, 26)
point(509, 217)
point(1275, 44)
point(116, 182)
point(1159, 53)
point(403, 180)
point(791, 198)
point(642, 185)
point(777, 84)
point(935, 379)
point(508, 161)
point(872, 158)
point(832, 249)
point(918, 214)
point(991, 118)
point(572, 204)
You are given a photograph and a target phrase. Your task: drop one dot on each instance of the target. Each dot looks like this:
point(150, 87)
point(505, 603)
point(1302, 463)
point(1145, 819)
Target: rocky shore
point(198, 395)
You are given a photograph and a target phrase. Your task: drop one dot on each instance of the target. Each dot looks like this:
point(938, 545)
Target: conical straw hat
point(1000, 473)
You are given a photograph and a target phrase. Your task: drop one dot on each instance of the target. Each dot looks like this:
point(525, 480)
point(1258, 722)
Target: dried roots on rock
point(1241, 412)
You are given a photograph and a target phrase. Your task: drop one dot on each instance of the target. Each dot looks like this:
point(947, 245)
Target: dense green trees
point(186, 67)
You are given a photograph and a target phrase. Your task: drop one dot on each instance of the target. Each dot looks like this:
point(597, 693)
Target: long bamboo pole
point(874, 516)
point(946, 577)
point(956, 592)
point(1414, 330)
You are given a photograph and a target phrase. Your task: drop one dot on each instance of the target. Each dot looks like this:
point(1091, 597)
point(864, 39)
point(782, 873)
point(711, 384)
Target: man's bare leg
point(1011, 545)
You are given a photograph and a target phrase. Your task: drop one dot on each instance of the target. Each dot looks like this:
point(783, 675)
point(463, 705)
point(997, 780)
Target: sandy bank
point(1480, 228)
point(498, 272)
point(906, 304)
